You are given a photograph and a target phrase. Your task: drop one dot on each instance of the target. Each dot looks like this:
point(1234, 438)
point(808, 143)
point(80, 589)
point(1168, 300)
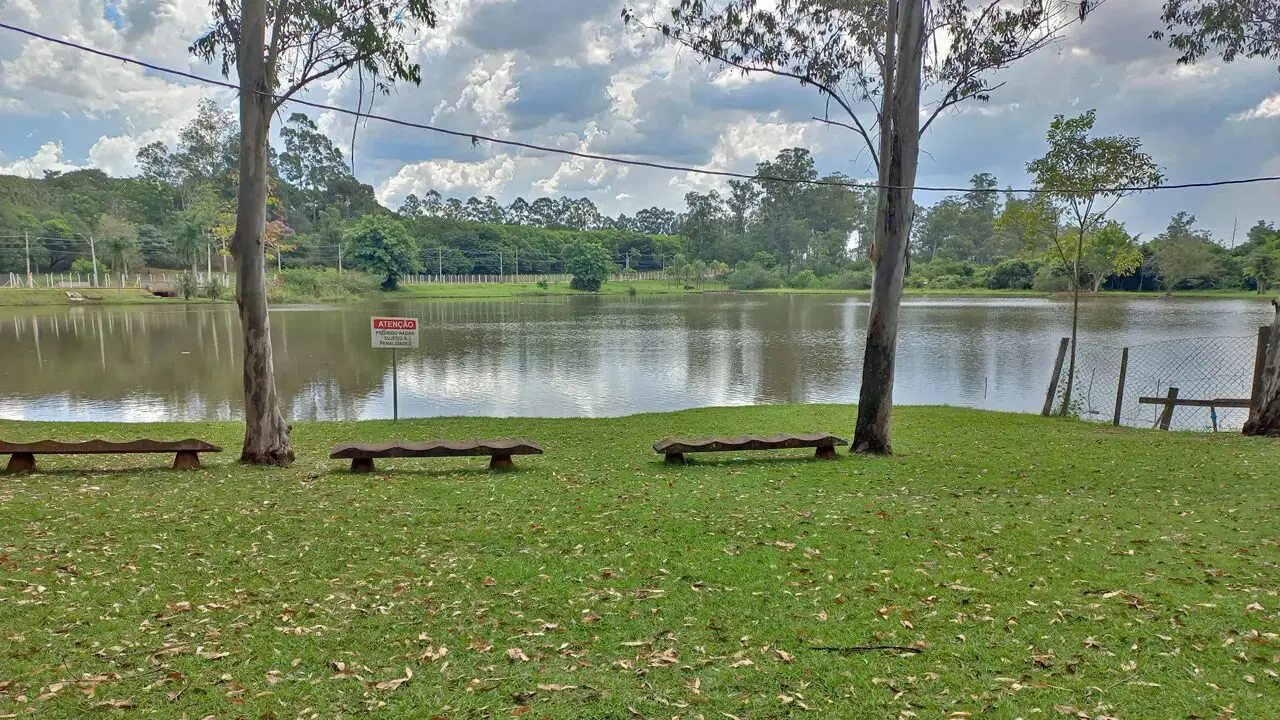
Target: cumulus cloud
point(568, 73)
point(1268, 108)
point(48, 157)
point(485, 177)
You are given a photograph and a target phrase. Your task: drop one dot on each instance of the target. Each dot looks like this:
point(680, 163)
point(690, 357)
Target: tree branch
point(947, 101)
point(308, 79)
point(858, 128)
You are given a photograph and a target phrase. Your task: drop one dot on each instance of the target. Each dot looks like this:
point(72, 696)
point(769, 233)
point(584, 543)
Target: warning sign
point(393, 332)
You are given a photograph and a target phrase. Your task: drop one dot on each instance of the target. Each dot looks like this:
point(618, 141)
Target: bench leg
point(21, 463)
point(361, 465)
point(675, 458)
point(826, 453)
point(186, 461)
point(501, 462)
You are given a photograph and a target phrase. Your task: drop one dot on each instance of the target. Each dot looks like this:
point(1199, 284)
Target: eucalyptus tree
point(278, 48)
point(882, 55)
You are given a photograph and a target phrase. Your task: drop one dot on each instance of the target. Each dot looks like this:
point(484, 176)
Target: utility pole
point(339, 258)
point(499, 265)
point(1235, 225)
point(439, 261)
point(517, 264)
point(26, 240)
point(208, 261)
point(225, 280)
point(93, 255)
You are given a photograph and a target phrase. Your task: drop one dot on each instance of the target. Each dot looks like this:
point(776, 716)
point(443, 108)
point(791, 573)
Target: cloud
point(1268, 108)
point(485, 177)
point(568, 73)
point(48, 157)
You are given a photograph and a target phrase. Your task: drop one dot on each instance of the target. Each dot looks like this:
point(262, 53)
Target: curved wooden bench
point(675, 448)
point(186, 452)
point(362, 455)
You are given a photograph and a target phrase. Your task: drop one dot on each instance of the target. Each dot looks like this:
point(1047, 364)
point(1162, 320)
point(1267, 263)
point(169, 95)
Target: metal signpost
point(395, 333)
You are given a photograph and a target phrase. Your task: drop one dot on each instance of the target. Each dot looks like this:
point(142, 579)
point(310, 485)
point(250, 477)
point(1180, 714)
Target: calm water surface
point(579, 356)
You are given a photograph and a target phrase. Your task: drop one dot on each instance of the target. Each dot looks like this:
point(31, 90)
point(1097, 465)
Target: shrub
point(543, 284)
point(753, 276)
point(631, 290)
point(312, 285)
point(850, 280)
point(84, 266)
point(213, 288)
point(1012, 275)
point(804, 280)
point(188, 285)
point(1051, 279)
point(948, 282)
point(591, 265)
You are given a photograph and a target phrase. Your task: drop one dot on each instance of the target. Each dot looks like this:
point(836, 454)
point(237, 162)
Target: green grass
point(13, 297)
point(1042, 566)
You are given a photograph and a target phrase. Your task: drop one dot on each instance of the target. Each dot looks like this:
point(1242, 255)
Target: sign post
point(395, 333)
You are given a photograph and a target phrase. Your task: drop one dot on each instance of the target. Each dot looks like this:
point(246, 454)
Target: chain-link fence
point(1209, 368)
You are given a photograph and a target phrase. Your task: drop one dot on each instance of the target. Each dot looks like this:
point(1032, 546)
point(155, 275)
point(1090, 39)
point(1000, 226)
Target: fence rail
point(1190, 384)
point(422, 279)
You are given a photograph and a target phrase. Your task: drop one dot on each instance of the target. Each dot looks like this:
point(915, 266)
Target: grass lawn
point(1043, 568)
point(109, 296)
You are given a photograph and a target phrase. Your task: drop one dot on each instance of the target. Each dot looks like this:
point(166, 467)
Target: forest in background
point(781, 228)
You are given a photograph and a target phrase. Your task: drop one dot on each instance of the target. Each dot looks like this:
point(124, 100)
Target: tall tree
point(882, 53)
point(1086, 176)
point(277, 48)
point(1109, 251)
point(1233, 28)
point(1183, 253)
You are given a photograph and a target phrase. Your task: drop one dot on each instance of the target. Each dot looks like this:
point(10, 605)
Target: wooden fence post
point(1259, 364)
point(1170, 402)
point(1053, 381)
point(1124, 369)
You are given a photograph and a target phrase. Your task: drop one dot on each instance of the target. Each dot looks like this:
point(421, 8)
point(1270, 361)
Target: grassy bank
point(1042, 566)
point(305, 287)
point(20, 297)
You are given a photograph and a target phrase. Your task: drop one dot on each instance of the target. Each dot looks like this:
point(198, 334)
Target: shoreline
point(55, 297)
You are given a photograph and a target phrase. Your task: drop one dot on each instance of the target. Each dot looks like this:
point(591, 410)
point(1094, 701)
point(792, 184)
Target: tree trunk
point(1075, 324)
point(1265, 416)
point(900, 149)
point(266, 436)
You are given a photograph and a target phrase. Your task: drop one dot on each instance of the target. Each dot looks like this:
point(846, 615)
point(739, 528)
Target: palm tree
point(118, 250)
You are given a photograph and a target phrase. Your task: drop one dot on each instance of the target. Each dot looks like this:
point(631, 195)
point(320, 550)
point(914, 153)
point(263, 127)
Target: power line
point(476, 137)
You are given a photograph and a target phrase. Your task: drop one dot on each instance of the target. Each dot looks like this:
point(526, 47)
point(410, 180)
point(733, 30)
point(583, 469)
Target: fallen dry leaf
point(393, 684)
point(517, 655)
point(116, 704)
point(556, 688)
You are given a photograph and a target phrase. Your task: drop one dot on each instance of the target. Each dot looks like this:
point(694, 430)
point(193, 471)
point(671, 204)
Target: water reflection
point(581, 356)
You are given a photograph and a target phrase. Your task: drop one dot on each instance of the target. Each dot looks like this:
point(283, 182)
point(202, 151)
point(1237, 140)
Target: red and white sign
point(394, 332)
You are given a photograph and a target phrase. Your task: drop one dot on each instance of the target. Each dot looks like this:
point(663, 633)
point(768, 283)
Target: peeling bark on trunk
point(1265, 418)
point(266, 435)
point(900, 148)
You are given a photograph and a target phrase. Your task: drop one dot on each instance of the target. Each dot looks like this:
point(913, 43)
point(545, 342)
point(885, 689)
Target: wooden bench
point(500, 451)
point(186, 452)
point(675, 448)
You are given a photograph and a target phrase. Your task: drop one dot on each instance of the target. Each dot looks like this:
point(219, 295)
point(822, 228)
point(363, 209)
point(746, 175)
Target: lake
point(596, 356)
